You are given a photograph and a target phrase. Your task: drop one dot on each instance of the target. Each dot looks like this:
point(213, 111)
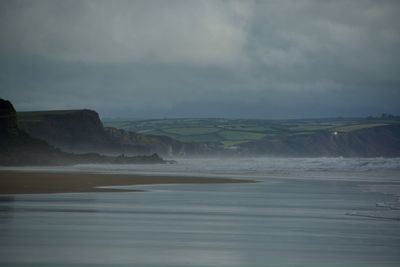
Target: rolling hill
point(277, 137)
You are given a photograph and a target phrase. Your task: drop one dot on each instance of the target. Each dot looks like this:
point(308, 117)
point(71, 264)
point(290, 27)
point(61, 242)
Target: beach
point(28, 182)
point(299, 213)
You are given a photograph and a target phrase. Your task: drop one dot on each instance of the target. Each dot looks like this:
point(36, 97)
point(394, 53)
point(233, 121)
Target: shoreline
point(28, 182)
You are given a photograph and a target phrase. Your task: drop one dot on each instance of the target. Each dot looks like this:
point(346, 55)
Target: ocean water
point(302, 212)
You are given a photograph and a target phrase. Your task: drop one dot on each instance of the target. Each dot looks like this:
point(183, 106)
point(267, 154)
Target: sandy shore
point(21, 182)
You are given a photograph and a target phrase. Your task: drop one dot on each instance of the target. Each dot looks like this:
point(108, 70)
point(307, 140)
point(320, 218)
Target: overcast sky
point(147, 59)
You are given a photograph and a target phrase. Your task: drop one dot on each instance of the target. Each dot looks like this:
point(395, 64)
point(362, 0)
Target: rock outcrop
point(19, 148)
point(155, 143)
point(70, 130)
point(8, 118)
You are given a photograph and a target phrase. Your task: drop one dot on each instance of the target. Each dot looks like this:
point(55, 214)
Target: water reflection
point(6, 208)
point(278, 222)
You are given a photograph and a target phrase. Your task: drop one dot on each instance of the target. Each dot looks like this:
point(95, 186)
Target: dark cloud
point(202, 58)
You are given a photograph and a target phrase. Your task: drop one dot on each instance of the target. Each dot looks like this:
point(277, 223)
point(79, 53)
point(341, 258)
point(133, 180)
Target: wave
point(262, 165)
point(255, 166)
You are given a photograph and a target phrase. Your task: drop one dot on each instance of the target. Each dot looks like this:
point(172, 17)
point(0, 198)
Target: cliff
point(8, 119)
point(70, 130)
point(155, 143)
point(19, 148)
point(81, 131)
point(380, 141)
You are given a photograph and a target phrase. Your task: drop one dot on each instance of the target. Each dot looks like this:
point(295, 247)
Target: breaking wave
point(251, 167)
point(257, 166)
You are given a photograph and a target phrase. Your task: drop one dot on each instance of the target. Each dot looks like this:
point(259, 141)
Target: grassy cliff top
point(40, 115)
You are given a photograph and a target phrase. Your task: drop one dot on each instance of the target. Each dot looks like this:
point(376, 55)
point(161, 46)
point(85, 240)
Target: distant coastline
point(69, 137)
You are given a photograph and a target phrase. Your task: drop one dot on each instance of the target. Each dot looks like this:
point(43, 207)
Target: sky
point(235, 59)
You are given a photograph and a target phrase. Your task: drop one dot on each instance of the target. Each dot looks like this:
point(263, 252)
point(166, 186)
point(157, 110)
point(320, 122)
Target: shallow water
point(317, 218)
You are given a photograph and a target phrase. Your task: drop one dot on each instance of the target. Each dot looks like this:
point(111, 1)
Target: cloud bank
point(202, 58)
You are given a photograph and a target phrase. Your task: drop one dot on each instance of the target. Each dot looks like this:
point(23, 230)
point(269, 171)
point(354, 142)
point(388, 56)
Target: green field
point(229, 133)
point(349, 128)
point(240, 135)
point(190, 131)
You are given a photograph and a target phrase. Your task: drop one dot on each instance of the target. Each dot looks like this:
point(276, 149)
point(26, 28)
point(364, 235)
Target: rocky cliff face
point(372, 142)
point(155, 144)
point(75, 130)
point(82, 131)
point(19, 148)
point(8, 118)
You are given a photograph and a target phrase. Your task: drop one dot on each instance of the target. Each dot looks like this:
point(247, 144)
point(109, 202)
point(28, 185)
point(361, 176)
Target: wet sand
point(21, 182)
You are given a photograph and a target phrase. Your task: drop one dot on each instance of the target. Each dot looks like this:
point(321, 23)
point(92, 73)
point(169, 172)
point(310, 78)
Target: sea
point(301, 212)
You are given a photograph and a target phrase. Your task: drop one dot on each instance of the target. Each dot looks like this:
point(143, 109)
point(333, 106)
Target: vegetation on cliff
point(351, 137)
point(81, 131)
point(18, 148)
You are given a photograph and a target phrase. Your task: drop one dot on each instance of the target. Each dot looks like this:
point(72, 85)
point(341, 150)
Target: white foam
point(332, 168)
